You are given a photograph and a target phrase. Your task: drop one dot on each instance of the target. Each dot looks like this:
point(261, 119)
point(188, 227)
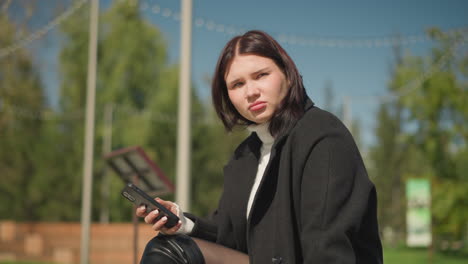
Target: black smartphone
point(139, 197)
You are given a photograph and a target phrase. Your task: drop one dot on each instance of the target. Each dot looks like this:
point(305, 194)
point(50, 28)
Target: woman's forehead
point(245, 64)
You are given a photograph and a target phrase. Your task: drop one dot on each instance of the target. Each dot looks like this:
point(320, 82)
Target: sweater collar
point(255, 141)
point(262, 132)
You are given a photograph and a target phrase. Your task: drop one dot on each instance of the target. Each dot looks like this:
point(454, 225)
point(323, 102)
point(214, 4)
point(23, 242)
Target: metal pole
point(106, 148)
point(136, 181)
point(183, 128)
point(89, 134)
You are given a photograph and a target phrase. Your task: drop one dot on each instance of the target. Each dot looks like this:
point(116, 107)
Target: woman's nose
point(251, 90)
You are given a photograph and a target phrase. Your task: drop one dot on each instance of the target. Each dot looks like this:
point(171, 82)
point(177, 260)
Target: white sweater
point(265, 150)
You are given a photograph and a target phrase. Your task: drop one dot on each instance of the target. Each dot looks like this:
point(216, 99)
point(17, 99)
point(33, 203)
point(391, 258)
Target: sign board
point(418, 214)
point(134, 166)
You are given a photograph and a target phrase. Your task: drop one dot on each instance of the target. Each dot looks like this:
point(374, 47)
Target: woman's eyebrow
point(259, 71)
point(253, 73)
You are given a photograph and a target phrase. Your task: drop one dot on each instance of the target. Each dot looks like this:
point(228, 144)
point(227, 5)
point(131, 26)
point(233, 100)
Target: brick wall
point(60, 242)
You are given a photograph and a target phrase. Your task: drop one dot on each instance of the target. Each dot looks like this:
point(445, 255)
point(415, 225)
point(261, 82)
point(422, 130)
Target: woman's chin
point(260, 121)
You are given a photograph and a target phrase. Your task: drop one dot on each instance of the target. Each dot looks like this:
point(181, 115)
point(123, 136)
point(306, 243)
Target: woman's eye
point(261, 75)
point(239, 84)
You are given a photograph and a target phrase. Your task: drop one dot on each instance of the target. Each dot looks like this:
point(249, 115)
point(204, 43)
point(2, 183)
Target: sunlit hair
point(258, 43)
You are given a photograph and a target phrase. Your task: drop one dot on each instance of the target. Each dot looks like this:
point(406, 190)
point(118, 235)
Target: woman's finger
point(173, 207)
point(164, 203)
point(173, 229)
point(151, 217)
point(160, 224)
point(141, 211)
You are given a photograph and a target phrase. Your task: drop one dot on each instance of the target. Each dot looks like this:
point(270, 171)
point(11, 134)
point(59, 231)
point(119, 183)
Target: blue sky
point(356, 70)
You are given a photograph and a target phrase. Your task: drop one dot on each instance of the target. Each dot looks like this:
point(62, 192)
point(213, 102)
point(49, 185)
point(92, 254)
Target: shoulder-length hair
point(259, 43)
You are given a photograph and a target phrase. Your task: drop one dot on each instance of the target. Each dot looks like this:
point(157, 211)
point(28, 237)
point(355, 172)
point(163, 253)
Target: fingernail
point(180, 222)
point(156, 212)
point(164, 218)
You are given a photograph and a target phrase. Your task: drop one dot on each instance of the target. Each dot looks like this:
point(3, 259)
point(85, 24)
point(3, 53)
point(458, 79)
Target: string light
point(292, 39)
point(231, 30)
point(403, 90)
point(417, 82)
point(210, 25)
point(4, 52)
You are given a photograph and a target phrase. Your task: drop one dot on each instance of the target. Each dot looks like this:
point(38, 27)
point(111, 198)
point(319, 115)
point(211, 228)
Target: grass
point(420, 256)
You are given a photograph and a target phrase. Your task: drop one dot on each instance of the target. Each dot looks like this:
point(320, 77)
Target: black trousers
point(172, 249)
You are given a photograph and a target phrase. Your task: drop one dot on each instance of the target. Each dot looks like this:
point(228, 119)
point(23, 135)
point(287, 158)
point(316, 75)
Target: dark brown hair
point(259, 43)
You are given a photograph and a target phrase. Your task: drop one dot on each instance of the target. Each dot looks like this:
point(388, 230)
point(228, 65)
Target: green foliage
point(343, 112)
point(134, 76)
point(386, 158)
point(19, 86)
point(211, 150)
point(41, 158)
point(424, 133)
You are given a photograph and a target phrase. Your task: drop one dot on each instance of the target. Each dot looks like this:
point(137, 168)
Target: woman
point(295, 191)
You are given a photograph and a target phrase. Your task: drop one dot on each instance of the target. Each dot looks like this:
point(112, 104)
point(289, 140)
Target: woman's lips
point(257, 106)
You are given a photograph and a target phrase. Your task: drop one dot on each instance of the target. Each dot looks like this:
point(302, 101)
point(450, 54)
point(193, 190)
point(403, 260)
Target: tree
point(211, 147)
point(131, 57)
point(329, 97)
point(388, 157)
point(342, 111)
point(134, 75)
point(393, 159)
point(21, 101)
point(39, 152)
point(432, 93)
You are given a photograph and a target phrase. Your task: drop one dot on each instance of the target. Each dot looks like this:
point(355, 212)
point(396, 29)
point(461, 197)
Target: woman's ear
point(289, 83)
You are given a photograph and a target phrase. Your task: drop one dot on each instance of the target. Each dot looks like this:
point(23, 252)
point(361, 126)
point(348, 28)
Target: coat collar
point(254, 143)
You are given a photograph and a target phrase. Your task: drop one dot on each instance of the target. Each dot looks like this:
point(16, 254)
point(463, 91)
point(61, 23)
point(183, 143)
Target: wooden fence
point(60, 242)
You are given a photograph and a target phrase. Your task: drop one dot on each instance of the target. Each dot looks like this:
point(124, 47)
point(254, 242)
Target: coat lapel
point(267, 188)
point(240, 173)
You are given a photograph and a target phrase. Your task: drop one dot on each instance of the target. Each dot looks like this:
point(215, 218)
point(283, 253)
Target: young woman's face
point(256, 87)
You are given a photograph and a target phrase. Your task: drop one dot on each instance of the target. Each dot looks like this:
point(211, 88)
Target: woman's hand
point(150, 218)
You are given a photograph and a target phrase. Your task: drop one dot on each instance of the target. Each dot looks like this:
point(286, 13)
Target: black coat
point(315, 203)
